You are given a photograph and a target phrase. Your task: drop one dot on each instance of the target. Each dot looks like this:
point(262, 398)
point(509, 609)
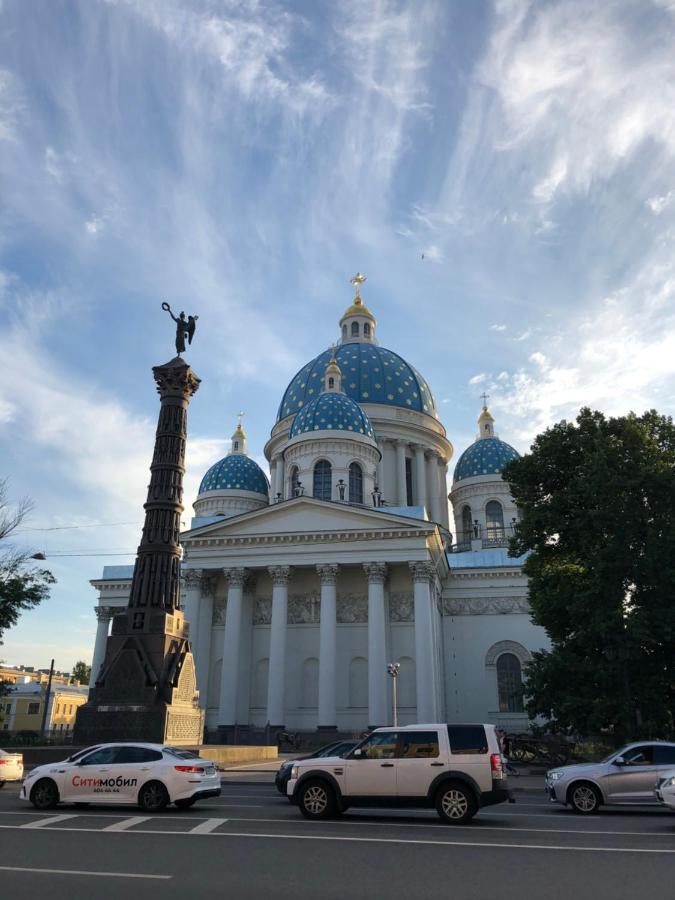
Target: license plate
point(209, 770)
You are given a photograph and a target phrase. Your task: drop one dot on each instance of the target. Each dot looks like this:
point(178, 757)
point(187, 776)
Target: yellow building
point(22, 709)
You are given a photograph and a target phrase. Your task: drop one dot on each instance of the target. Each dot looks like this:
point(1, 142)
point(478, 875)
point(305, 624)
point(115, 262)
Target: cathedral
point(351, 586)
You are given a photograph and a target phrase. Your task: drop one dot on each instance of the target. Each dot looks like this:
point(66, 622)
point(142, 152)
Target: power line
point(70, 527)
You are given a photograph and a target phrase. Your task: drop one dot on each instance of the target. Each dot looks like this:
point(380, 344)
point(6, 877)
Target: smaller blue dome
point(332, 412)
point(236, 472)
point(487, 456)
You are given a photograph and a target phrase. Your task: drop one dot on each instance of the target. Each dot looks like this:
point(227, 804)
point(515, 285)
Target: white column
point(201, 637)
point(420, 476)
point(190, 589)
point(443, 492)
point(380, 468)
point(423, 573)
point(401, 493)
point(327, 642)
point(432, 482)
point(273, 478)
point(104, 614)
point(277, 671)
point(278, 483)
point(229, 678)
point(377, 647)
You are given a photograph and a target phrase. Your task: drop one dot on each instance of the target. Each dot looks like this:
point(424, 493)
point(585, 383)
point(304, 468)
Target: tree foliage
point(22, 585)
point(597, 498)
point(81, 672)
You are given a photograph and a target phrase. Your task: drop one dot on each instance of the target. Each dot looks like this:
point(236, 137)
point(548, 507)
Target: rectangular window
point(664, 755)
point(408, 481)
point(467, 739)
point(58, 707)
point(418, 745)
point(70, 710)
point(33, 709)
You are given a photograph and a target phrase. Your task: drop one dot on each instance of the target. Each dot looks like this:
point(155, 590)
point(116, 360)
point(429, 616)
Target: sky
point(503, 172)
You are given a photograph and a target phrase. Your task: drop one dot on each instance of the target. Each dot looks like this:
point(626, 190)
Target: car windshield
point(82, 752)
point(181, 752)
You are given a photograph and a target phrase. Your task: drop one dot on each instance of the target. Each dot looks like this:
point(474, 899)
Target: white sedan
point(150, 775)
point(665, 789)
point(11, 767)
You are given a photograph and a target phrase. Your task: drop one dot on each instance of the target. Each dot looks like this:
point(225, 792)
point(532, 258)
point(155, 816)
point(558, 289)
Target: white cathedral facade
point(300, 590)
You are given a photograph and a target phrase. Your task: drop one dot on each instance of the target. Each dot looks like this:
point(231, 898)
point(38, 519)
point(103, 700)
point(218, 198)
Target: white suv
point(454, 768)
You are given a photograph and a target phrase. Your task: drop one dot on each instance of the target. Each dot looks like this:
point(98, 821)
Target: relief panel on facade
point(401, 607)
point(262, 611)
point(303, 609)
point(219, 610)
point(352, 609)
point(482, 606)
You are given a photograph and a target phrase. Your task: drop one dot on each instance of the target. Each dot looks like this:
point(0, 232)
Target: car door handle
point(145, 768)
point(104, 770)
point(387, 765)
point(436, 764)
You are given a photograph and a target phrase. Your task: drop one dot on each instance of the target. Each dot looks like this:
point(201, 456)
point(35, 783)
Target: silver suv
point(628, 775)
point(454, 768)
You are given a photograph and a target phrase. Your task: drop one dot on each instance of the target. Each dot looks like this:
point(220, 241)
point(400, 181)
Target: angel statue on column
point(184, 327)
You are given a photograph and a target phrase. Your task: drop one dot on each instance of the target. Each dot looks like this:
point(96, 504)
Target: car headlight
point(294, 771)
point(554, 776)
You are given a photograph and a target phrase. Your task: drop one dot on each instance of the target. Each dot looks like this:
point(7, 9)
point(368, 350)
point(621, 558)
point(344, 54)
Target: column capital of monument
point(176, 379)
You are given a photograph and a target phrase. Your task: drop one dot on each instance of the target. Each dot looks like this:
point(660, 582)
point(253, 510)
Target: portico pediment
point(307, 516)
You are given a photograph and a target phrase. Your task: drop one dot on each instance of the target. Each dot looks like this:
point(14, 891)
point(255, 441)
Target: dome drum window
point(494, 519)
point(322, 487)
point(355, 483)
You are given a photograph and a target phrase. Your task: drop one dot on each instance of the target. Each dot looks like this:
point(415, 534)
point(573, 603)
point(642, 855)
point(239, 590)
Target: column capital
point(376, 572)
point(328, 573)
point(400, 442)
point(432, 454)
point(422, 571)
point(235, 576)
point(105, 613)
point(192, 577)
point(279, 574)
point(418, 448)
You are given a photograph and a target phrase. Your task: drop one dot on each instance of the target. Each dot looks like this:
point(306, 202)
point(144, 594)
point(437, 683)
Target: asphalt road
point(251, 842)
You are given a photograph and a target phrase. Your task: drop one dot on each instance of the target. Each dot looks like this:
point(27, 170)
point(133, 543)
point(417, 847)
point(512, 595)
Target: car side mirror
point(358, 754)
point(619, 761)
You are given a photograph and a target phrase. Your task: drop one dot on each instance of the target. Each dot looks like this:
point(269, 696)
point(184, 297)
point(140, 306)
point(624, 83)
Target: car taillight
point(496, 765)
point(2, 762)
point(192, 769)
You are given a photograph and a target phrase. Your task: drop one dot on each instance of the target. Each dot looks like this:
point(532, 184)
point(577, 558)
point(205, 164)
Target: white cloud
point(659, 203)
point(478, 379)
point(497, 327)
point(10, 106)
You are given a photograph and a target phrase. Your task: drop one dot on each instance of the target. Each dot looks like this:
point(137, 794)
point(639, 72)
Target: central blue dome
point(487, 456)
point(370, 374)
point(235, 472)
point(332, 412)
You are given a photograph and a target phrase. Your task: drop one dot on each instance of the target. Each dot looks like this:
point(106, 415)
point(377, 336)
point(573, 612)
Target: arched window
point(366, 329)
point(467, 524)
point(355, 483)
point(293, 482)
point(344, 332)
point(509, 683)
point(331, 382)
point(322, 488)
point(358, 682)
point(309, 689)
point(494, 516)
point(355, 329)
point(236, 445)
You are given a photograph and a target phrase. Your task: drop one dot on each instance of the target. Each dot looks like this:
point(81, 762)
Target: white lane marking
point(476, 827)
point(126, 823)
point(207, 826)
point(51, 820)
point(83, 872)
point(371, 840)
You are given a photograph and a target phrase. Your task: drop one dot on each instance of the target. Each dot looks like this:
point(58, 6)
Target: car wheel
point(455, 803)
point(317, 800)
point(45, 794)
point(153, 797)
point(584, 798)
point(186, 803)
point(2, 784)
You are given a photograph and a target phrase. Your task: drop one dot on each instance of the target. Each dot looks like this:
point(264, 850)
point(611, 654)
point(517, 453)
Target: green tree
point(81, 672)
point(22, 585)
point(598, 524)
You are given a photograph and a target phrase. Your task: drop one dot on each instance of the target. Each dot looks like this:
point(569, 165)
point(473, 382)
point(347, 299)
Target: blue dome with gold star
point(487, 456)
point(236, 472)
point(370, 374)
point(332, 412)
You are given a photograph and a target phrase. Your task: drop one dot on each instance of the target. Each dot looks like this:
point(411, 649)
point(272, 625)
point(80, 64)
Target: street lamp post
point(393, 670)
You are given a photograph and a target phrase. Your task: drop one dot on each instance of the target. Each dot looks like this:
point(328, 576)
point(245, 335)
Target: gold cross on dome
point(357, 281)
point(240, 417)
point(484, 398)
